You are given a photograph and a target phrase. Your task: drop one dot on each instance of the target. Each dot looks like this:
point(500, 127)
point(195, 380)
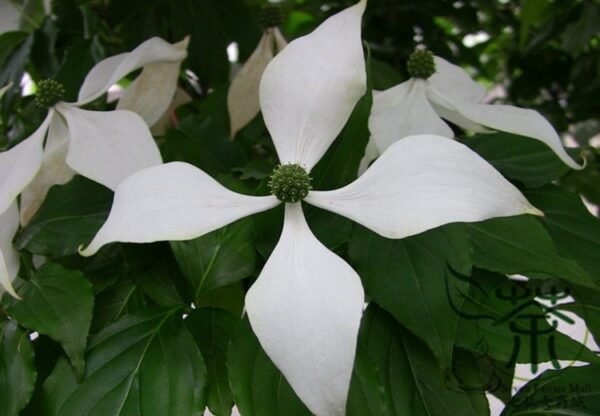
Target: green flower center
point(49, 92)
point(271, 16)
point(421, 64)
point(290, 183)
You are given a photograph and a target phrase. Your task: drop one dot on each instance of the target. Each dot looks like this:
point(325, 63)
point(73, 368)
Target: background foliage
point(106, 328)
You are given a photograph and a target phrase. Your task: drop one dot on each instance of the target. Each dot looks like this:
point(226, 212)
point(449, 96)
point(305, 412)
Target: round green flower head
point(421, 64)
point(290, 183)
point(271, 16)
point(49, 92)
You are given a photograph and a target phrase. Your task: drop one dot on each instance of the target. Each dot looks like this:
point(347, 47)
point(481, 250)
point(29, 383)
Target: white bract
point(306, 305)
point(418, 105)
point(9, 224)
point(242, 98)
point(105, 146)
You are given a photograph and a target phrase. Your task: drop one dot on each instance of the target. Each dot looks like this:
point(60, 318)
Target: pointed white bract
point(53, 171)
point(242, 97)
point(9, 259)
point(108, 146)
point(174, 201)
point(452, 81)
point(109, 71)
point(305, 112)
point(422, 182)
point(404, 111)
point(19, 165)
point(451, 94)
point(151, 93)
point(306, 305)
point(305, 309)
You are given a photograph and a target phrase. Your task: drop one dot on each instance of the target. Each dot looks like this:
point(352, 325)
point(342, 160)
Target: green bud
point(421, 64)
point(271, 16)
point(49, 92)
point(290, 183)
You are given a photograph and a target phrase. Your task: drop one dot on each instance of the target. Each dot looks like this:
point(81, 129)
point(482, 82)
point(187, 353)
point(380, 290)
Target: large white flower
point(439, 89)
point(104, 146)
point(307, 302)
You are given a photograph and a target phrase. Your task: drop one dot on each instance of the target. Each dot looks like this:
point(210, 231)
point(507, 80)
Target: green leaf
point(501, 318)
point(56, 302)
point(218, 258)
point(204, 143)
point(124, 297)
point(17, 369)
point(212, 329)
point(577, 36)
point(69, 217)
point(408, 278)
point(572, 391)
point(414, 384)
point(574, 230)
point(479, 372)
point(259, 388)
point(521, 245)
point(154, 270)
point(229, 298)
point(520, 158)
point(145, 364)
point(331, 229)
point(366, 396)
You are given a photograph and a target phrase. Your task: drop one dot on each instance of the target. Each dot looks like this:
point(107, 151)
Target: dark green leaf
point(521, 245)
point(366, 396)
point(205, 144)
point(212, 329)
point(408, 278)
point(575, 231)
point(17, 369)
point(217, 258)
point(154, 270)
point(414, 384)
point(125, 297)
point(69, 217)
point(573, 391)
point(331, 229)
point(145, 364)
point(56, 302)
point(521, 158)
point(577, 36)
point(478, 372)
point(230, 298)
point(259, 388)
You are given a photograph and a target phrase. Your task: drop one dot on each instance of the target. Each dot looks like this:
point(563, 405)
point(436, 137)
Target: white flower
point(307, 302)
point(418, 105)
point(242, 98)
point(103, 146)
